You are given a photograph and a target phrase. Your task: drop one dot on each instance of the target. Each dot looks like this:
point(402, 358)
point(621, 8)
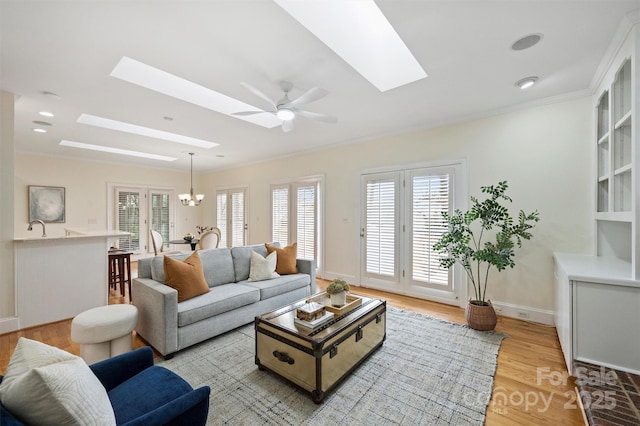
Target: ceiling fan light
point(526, 82)
point(285, 114)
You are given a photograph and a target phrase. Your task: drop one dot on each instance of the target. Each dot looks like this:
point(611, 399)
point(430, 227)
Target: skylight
point(121, 126)
point(161, 81)
point(111, 150)
point(360, 34)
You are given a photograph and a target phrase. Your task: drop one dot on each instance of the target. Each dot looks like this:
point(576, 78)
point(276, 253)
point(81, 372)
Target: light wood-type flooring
point(531, 385)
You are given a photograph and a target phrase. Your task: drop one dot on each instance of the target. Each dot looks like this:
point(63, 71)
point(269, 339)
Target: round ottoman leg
point(94, 352)
point(121, 344)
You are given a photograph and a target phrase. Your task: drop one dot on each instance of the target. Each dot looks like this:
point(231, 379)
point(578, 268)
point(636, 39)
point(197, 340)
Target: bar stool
point(120, 270)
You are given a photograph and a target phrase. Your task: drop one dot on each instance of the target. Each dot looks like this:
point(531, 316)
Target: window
point(294, 216)
point(401, 221)
point(231, 217)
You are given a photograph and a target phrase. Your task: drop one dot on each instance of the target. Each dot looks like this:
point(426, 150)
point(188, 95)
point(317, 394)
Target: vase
point(339, 299)
point(481, 315)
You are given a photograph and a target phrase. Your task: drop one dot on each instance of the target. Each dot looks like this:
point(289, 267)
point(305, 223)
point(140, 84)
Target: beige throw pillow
point(287, 258)
point(263, 268)
point(185, 276)
point(45, 385)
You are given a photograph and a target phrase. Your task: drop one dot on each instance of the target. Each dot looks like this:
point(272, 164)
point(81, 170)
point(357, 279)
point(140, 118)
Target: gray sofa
point(233, 301)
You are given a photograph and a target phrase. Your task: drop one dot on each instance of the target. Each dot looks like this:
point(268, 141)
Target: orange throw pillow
point(185, 276)
point(286, 258)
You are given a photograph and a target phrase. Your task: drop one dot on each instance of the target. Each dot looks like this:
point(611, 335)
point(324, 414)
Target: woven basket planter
point(481, 317)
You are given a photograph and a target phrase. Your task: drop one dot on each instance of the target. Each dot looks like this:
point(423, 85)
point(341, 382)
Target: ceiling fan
point(286, 109)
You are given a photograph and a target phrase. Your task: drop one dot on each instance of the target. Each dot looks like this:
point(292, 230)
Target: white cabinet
point(597, 311)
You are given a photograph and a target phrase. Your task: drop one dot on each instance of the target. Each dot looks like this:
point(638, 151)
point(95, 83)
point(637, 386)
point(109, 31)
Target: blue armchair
point(143, 394)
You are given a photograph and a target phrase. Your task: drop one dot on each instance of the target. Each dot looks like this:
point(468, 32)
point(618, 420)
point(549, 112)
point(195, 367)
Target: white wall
point(544, 153)
point(86, 191)
point(7, 296)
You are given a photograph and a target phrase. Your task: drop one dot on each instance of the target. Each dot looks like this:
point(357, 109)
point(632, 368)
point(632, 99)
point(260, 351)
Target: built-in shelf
point(614, 157)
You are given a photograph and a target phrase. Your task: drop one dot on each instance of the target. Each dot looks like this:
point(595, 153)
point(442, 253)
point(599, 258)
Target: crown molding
point(628, 22)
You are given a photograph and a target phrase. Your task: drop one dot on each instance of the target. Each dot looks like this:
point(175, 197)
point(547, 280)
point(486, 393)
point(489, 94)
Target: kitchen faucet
point(30, 228)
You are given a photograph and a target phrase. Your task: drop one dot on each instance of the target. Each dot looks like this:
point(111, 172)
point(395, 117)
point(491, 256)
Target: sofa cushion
point(220, 299)
point(242, 259)
point(46, 385)
point(263, 268)
point(287, 257)
point(185, 276)
point(218, 266)
point(280, 285)
point(216, 263)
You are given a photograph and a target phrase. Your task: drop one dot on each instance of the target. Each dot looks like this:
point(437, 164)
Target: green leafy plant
point(464, 242)
point(337, 286)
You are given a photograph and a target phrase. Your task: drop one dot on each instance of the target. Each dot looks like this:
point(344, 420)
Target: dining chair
point(157, 241)
point(210, 239)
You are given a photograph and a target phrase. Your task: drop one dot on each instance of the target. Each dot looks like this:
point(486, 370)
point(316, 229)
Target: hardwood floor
point(531, 385)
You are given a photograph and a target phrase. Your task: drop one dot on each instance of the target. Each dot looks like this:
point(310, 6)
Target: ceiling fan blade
point(316, 116)
point(251, 112)
point(309, 96)
point(259, 94)
point(287, 126)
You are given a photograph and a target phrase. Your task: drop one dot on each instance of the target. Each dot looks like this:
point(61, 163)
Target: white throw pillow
point(263, 268)
point(45, 385)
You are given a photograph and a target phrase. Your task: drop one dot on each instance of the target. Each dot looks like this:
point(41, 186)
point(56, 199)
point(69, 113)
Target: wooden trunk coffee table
point(318, 359)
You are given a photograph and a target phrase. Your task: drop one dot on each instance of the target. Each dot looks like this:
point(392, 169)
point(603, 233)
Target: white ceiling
point(71, 47)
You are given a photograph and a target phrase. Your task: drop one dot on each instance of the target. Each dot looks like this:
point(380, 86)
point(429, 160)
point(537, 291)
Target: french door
point(137, 211)
point(231, 217)
point(401, 221)
point(295, 212)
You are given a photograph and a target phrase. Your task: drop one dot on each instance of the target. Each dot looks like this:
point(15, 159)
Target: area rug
point(428, 372)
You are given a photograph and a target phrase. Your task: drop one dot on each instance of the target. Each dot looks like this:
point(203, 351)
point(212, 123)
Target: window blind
point(380, 227)
point(129, 219)
point(431, 197)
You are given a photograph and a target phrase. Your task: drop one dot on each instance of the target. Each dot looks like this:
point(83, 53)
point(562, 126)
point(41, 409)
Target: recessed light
point(38, 130)
point(111, 150)
point(41, 123)
point(46, 114)
point(526, 42)
point(368, 42)
point(121, 126)
point(51, 94)
point(526, 82)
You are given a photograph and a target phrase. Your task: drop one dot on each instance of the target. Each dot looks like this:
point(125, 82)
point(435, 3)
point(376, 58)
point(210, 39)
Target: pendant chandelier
point(191, 199)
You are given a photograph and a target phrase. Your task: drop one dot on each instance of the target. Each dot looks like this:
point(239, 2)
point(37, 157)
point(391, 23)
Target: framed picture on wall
point(47, 203)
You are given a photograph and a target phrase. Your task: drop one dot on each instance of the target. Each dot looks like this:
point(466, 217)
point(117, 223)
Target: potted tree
point(338, 292)
point(481, 239)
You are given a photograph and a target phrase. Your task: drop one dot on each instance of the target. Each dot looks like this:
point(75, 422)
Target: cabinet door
point(562, 317)
point(607, 325)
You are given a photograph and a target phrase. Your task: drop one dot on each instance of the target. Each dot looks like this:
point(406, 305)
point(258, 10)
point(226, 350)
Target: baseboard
point(510, 310)
point(9, 324)
point(525, 313)
point(351, 279)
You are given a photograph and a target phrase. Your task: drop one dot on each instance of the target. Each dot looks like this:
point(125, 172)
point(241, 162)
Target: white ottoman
point(104, 332)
